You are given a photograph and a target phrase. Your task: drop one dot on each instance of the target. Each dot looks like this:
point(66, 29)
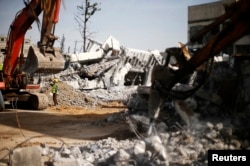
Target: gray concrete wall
point(205, 12)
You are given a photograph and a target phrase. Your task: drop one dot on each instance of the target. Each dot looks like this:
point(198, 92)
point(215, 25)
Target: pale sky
point(139, 24)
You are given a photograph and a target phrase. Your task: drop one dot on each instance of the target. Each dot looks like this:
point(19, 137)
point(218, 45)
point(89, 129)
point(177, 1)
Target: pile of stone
point(116, 93)
point(67, 95)
point(188, 146)
point(72, 96)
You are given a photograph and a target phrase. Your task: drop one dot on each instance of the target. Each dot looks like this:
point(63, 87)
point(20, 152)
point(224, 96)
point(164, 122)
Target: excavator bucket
point(43, 63)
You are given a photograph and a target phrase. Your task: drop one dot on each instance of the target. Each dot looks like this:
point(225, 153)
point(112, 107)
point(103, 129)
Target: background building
point(204, 14)
point(3, 40)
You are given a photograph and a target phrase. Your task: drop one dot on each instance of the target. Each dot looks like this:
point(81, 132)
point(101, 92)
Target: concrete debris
point(107, 65)
point(29, 156)
point(168, 148)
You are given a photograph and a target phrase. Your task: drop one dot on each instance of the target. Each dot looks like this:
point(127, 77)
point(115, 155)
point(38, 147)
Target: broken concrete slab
point(68, 162)
point(29, 156)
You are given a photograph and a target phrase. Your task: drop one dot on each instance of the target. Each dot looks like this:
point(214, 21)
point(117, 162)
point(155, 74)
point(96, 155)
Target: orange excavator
point(15, 83)
point(235, 24)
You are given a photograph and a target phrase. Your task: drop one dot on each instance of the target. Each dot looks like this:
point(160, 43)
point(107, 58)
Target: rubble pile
point(180, 147)
point(67, 95)
point(71, 95)
point(117, 93)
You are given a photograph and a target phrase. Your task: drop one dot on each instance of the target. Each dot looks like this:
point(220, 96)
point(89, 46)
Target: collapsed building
point(109, 64)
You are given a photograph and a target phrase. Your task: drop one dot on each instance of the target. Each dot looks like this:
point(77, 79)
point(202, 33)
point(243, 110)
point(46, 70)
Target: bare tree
point(62, 44)
point(84, 12)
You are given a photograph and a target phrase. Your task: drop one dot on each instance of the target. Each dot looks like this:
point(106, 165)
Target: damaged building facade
point(201, 15)
point(3, 40)
point(109, 64)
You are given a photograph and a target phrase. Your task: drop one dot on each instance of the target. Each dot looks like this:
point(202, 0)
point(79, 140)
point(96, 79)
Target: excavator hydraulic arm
point(237, 25)
point(38, 57)
point(44, 57)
